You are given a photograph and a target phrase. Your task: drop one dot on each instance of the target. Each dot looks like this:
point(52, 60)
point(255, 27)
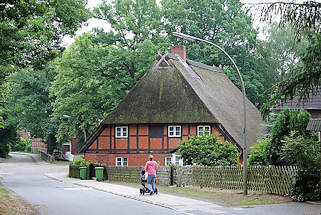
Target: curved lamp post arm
point(189, 37)
point(67, 117)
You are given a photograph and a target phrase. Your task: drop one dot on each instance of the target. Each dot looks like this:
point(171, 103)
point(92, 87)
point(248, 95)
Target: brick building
point(175, 99)
point(71, 146)
point(37, 143)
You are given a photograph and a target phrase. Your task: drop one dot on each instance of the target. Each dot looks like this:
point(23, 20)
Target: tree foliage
point(305, 153)
point(304, 17)
point(281, 52)
point(258, 156)
point(286, 122)
point(97, 70)
point(136, 29)
point(87, 86)
point(29, 106)
point(31, 31)
point(8, 135)
point(208, 151)
point(226, 24)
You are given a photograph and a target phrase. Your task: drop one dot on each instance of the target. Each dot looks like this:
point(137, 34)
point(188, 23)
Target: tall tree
point(132, 24)
point(31, 33)
point(224, 23)
point(281, 52)
point(304, 17)
point(87, 86)
point(29, 106)
point(97, 70)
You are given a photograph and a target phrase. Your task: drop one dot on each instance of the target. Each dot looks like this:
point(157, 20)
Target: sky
point(91, 23)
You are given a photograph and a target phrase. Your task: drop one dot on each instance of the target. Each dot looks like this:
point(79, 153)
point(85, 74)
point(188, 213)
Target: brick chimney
point(180, 50)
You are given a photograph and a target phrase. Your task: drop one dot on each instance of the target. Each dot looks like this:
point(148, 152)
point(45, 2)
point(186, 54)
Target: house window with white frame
point(121, 161)
point(177, 160)
point(174, 131)
point(168, 161)
point(121, 131)
point(203, 130)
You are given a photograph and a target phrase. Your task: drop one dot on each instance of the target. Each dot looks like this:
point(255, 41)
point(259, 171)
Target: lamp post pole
point(245, 173)
point(67, 116)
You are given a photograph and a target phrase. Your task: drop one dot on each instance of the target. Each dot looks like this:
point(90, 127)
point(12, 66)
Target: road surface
point(25, 177)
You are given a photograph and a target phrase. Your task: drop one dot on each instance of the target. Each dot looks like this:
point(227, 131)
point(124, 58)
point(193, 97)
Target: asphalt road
point(25, 177)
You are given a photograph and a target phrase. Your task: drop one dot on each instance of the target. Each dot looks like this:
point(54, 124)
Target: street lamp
point(191, 38)
point(67, 117)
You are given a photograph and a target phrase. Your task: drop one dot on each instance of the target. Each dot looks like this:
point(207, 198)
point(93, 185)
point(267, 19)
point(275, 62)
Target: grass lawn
point(223, 197)
point(4, 193)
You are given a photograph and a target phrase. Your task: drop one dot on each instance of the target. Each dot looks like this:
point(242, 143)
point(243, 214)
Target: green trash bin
point(83, 172)
point(99, 173)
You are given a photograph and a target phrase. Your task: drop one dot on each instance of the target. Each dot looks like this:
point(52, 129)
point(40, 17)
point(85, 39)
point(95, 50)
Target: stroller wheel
point(156, 191)
point(141, 191)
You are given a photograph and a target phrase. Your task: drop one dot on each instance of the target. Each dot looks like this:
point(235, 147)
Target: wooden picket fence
point(273, 179)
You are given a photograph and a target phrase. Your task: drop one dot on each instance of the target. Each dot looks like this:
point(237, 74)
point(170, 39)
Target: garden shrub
point(22, 145)
point(258, 156)
point(208, 150)
point(81, 162)
point(287, 121)
point(305, 153)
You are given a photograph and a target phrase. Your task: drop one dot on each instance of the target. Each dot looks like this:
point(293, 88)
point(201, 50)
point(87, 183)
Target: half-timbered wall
point(142, 140)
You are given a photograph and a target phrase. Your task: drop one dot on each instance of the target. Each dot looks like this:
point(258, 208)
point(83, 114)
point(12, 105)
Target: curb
point(118, 194)
point(313, 202)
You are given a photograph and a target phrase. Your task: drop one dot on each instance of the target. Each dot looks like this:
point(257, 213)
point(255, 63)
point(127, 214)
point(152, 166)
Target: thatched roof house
point(182, 92)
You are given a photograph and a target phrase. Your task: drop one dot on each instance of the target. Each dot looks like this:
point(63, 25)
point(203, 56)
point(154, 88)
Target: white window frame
point(199, 127)
point(174, 134)
point(122, 128)
point(167, 163)
point(68, 144)
point(122, 161)
point(177, 160)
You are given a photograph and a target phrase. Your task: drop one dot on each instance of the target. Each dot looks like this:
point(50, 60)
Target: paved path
point(179, 204)
point(193, 206)
point(23, 175)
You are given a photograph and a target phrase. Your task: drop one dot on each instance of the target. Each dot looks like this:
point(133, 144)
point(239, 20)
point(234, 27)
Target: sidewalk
point(181, 204)
point(188, 205)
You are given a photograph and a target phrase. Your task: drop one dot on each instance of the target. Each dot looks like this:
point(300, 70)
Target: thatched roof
point(174, 91)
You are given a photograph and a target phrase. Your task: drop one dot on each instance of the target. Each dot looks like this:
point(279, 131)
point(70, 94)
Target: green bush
point(81, 162)
point(258, 156)
point(305, 153)
point(22, 145)
point(287, 121)
point(208, 150)
point(8, 135)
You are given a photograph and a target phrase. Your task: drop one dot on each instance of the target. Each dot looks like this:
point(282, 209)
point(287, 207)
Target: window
point(168, 161)
point(203, 130)
point(174, 131)
point(121, 131)
point(121, 161)
point(177, 160)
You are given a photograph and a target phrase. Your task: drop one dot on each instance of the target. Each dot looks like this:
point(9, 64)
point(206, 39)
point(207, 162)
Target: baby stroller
point(144, 189)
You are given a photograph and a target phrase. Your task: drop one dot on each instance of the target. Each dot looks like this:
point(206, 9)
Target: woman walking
point(150, 168)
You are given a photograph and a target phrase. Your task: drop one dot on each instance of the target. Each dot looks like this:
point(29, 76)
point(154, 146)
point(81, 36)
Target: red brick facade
point(37, 143)
point(140, 143)
point(71, 146)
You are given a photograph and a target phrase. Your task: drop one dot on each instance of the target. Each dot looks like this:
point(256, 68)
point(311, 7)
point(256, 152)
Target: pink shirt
point(151, 167)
